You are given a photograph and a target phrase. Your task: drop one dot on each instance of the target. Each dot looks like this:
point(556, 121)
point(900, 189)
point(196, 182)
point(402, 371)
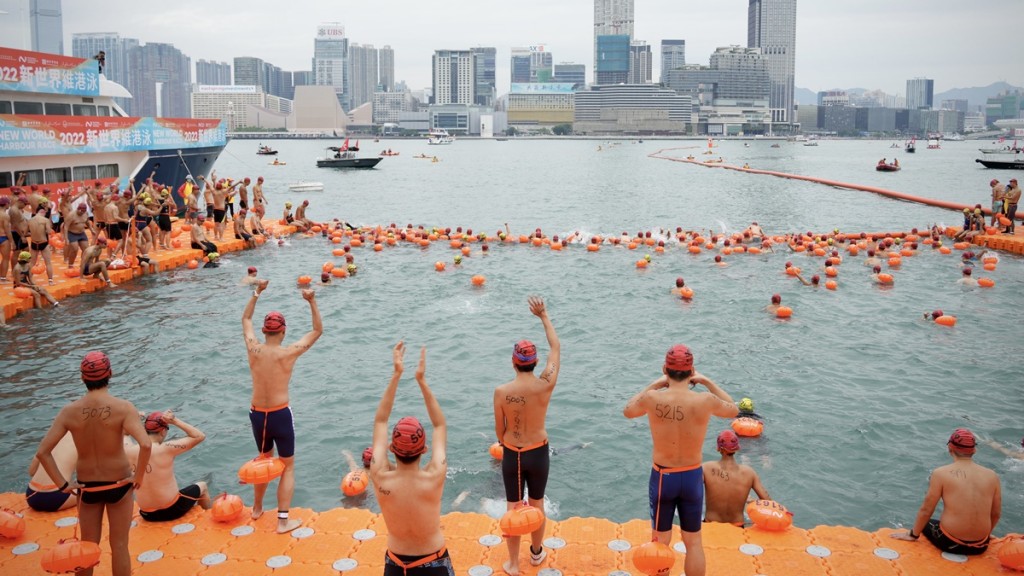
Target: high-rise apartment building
point(454, 73)
point(249, 71)
point(486, 63)
point(612, 18)
point(47, 26)
point(640, 62)
point(920, 93)
point(520, 66)
point(364, 76)
point(386, 77)
point(612, 59)
point(531, 64)
point(303, 78)
point(117, 49)
point(330, 61)
point(161, 83)
point(771, 26)
point(571, 73)
point(673, 57)
point(209, 73)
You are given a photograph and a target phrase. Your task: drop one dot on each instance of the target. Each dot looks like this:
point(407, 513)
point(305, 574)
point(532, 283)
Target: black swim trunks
point(943, 541)
point(187, 498)
point(525, 467)
point(436, 564)
point(218, 215)
point(46, 501)
point(39, 246)
point(273, 427)
point(93, 493)
point(163, 222)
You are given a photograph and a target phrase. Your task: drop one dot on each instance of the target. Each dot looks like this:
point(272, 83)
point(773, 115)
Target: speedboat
point(1002, 164)
point(266, 151)
point(439, 136)
point(303, 186)
point(345, 159)
point(99, 143)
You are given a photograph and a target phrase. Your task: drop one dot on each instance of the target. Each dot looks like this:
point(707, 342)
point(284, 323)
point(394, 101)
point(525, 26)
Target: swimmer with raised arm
point(160, 500)
point(271, 364)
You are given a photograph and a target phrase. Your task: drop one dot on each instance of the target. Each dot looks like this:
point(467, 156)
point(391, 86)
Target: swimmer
point(678, 290)
point(325, 278)
point(872, 260)
point(971, 502)
point(775, 305)
point(410, 496)
point(876, 275)
point(1018, 453)
point(814, 281)
point(42, 494)
point(23, 278)
point(91, 263)
point(271, 364)
point(678, 417)
point(159, 499)
point(212, 260)
point(250, 277)
point(520, 410)
point(933, 315)
point(727, 483)
point(97, 423)
point(755, 231)
point(966, 279)
point(719, 262)
point(746, 408)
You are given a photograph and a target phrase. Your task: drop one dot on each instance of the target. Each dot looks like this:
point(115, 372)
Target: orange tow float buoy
point(748, 427)
point(521, 520)
point(354, 483)
point(653, 557)
point(339, 272)
point(831, 284)
point(439, 266)
point(328, 266)
point(71, 555)
point(11, 525)
point(946, 320)
point(478, 280)
point(986, 282)
point(885, 278)
point(769, 515)
point(226, 508)
point(260, 470)
point(22, 292)
point(784, 312)
point(686, 293)
point(1011, 554)
point(304, 280)
point(497, 451)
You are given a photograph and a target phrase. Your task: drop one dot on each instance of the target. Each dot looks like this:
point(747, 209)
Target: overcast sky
point(873, 44)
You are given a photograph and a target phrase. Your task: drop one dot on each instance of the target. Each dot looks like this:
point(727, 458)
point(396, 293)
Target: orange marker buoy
point(945, 250)
point(769, 515)
point(686, 293)
point(593, 247)
point(830, 271)
point(478, 280)
point(1011, 554)
point(193, 264)
point(497, 451)
point(946, 320)
point(990, 266)
point(354, 483)
point(22, 292)
point(11, 525)
point(653, 557)
point(885, 278)
point(304, 280)
point(328, 266)
point(439, 266)
point(784, 312)
point(986, 282)
point(641, 263)
point(260, 470)
point(749, 427)
point(339, 272)
point(521, 520)
point(71, 555)
point(831, 285)
point(226, 508)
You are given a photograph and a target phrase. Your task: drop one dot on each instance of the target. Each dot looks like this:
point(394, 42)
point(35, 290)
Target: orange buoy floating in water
point(439, 266)
point(193, 264)
point(339, 272)
point(749, 427)
point(945, 250)
point(641, 263)
point(831, 272)
point(11, 525)
point(686, 293)
point(986, 282)
point(831, 285)
point(769, 515)
point(989, 266)
point(946, 320)
point(653, 558)
point(885, 278)
point(497, 451)
point(521, 520)
point(1011, 554)
point(354, 483)
point(593, 247)
point(694, 249)
point(226, 508)
point(338, 252)
point(304, 280)
point(71, 555)
point(328, 266)
point(261, 470)
point(784, 312)
point(478, 280)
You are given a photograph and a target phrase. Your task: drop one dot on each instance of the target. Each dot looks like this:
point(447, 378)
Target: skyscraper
point(118, 68)
point(569, 72)
point(771, 26)
point(162, 82)
point(249, 71)
point(386, 59)
point(612, 18)
point(673, 57)
point(47, 26)
point(612, 61)
point(486, 62)
point(454, 74)
point(920, 93)
point(364, 73)
point(213, 73)
point(640, 62)
point(330, 60)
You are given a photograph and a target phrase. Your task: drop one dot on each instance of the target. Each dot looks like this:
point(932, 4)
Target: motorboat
point(346, 159)
point(266, 151)
point(933, 144)
point(1002, 164)
point(1004, 150)
point(439, 136)
point(888, 167)
point(911, 146)
point(99, 143)
point(811, 143)
point(303, 186)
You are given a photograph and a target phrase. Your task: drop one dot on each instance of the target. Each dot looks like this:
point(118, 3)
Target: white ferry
point(439, 136)
point(59, 124)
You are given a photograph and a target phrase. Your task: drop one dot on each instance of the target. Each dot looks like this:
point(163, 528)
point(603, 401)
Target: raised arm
point(722, 404)
point(247, 332)
point(637, 405)
point(195, 436)
point(387, 402)
point(550, 374)
point(437, 420)
point(313, 335)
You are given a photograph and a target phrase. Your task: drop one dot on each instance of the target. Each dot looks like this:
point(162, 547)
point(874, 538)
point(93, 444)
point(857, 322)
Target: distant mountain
point(974, 96)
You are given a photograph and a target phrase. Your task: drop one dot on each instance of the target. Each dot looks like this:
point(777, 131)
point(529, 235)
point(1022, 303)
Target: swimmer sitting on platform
point(159, 499)
point(727, 483)
point(42, 494)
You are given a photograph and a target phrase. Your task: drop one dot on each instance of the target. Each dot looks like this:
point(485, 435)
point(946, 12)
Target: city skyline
point(839, 45)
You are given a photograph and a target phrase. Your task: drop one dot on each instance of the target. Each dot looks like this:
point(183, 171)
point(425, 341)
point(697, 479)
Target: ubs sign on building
point(330, 60)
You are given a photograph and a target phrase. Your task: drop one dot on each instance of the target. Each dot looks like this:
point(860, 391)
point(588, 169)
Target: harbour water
point(859, 393)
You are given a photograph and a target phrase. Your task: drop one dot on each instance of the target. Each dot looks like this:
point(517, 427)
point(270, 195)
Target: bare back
point(969, 494)
point(727, 487)
point(523, 406)
point(97, 423)
point(410, 501)
point(271, 366)
point(161, 487)
point(679, 421)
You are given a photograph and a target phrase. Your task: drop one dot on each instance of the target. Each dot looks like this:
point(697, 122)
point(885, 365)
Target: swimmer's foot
point(509, 570)
point(288, 526)
point(538, 558)
point(256, 513)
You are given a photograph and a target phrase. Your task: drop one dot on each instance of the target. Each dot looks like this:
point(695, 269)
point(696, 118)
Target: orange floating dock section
point(1010, 243)
point(352, 542)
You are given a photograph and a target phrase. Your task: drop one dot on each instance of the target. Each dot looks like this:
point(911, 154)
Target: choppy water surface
point(859, 392)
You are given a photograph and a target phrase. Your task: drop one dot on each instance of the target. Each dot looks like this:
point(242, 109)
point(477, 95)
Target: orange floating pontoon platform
point(351, 542)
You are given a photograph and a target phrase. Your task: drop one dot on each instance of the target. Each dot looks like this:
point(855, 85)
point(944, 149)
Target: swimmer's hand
point(698, 378)
point(397, 355)
point(73, 487)
point(421, 369)
point(262, 285)
point(537, 306)
point(308, 294)
point(905, 536)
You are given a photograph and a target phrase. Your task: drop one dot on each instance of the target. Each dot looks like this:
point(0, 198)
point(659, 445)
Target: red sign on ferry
point(23, 71)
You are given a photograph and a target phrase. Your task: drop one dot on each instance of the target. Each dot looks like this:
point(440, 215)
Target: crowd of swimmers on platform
point(85, 459)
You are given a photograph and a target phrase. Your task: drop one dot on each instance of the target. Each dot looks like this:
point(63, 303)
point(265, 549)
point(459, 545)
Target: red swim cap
point(367, 456)
point(679, 358)
point(408, 439)
point(273, 323)
point(523, 353)
point(155, 422)
point(963, 440)
point(95, 367)
point(728, 441)
point(252, 269)
point(776, 299)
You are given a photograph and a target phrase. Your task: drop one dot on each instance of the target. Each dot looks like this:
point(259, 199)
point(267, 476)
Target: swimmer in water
point(774, 306)
point(250, 277)
point(966, 279)
point(727, 483)
point(746, 407)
